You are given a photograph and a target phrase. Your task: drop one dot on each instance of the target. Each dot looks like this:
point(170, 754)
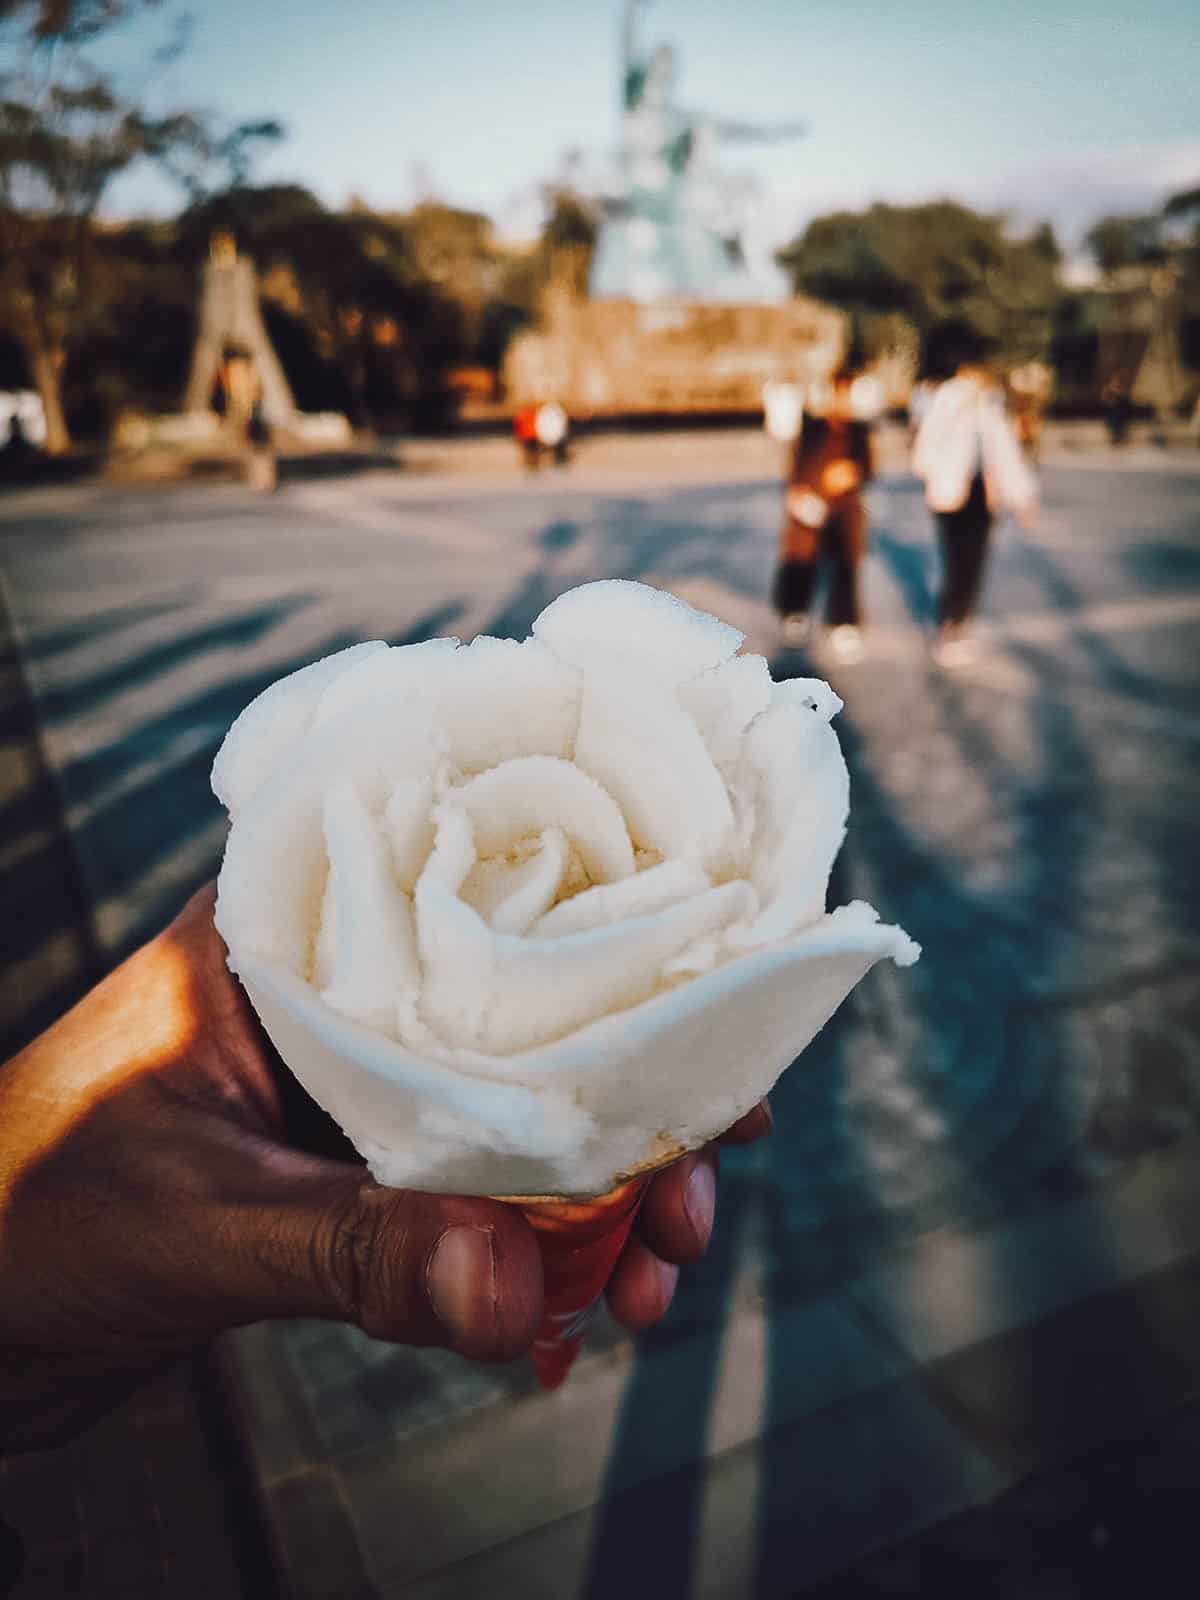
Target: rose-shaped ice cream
point(527, 918)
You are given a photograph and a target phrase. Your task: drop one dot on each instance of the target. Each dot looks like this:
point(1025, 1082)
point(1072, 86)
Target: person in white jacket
point(967, 453)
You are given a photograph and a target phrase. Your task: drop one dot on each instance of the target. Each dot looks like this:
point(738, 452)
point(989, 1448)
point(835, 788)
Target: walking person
point(968, 455)
point(241, 401)
point(1118, 408)
point(526, 434)
point(552, 427)
point(825, 520)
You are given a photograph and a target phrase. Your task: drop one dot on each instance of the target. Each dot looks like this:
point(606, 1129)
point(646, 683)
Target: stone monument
point(678, 317)
point(230, 317)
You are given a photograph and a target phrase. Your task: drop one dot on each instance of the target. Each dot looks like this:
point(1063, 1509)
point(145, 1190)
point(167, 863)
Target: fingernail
point(461, 1281)
point(668, 1277)
point(700, 1199)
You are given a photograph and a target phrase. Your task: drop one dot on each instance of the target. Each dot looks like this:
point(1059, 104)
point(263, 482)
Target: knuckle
point(354, 1251)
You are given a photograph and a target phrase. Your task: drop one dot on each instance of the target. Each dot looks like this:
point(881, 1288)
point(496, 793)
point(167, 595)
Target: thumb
point(320, 1238)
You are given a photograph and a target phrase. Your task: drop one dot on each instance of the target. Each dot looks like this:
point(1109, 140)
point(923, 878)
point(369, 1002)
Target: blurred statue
point(675, 227)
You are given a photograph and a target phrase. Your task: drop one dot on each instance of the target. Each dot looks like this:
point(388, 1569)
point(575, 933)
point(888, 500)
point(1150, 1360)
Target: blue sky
point(1059, 107)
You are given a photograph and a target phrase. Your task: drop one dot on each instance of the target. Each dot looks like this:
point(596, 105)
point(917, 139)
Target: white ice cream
point(524, 917)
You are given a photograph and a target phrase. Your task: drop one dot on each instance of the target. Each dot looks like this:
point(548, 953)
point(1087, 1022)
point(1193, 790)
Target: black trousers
point(963, 535)
point(839, 544)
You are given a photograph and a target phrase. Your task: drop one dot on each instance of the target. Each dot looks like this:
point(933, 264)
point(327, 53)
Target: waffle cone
point(580, 1241)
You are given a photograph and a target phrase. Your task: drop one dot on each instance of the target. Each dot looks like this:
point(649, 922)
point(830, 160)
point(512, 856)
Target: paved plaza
point(969, 1255)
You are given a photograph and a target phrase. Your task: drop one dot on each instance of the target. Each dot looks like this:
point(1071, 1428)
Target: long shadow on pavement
point(979, 1113)
point(156, 774)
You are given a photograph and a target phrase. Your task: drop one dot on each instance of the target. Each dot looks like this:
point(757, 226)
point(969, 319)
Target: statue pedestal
point(621, 358)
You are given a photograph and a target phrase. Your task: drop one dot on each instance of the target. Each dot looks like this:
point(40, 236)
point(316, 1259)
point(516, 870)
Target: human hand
point(151, 1196)
point(806, 508)
point(840, 477)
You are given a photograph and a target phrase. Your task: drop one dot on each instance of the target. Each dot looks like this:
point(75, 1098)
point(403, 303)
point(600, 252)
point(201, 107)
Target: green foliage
point(1185, 204)
point(1115, 242)
point(369, 311)
point(932, 262)
point(558, 263)
point(568, 239)
point(65, 21)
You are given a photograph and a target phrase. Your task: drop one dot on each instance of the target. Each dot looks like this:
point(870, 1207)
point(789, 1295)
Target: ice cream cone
point(580, 1241)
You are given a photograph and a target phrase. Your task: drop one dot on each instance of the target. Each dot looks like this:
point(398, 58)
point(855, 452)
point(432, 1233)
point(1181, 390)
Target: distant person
point(1118, 408)
point(262, 462)
point(12, 433)
point(552, 428)
point(239, 387)
point(240, 400)
point(526, 435)
point(17, 454)
point(1029, 388)
point(22, 426)
point(825, 519)
point(967, 453)
point(783, 409)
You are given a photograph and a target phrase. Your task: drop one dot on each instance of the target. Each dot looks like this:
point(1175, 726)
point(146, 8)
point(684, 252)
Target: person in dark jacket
point(825, 519)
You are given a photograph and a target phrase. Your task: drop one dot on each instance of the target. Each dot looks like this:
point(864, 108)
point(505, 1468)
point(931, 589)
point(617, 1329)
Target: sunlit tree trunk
point(46, 362)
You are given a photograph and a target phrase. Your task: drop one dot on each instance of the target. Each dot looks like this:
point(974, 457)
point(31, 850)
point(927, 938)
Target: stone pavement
point(969, 1251)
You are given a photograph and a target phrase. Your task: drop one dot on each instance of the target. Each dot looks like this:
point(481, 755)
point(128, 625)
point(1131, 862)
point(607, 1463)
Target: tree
point(368, 311)
point(568, 240)
point(933, 262)
point(1115, 242)
point(558, 265)
point(66, 131)
point(1185, 206)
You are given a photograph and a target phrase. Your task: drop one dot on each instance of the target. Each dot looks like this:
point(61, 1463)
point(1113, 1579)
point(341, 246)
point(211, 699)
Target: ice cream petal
point(374, 967)
point(523, 797)
point(547, 987)
point(408, 820)
point(506, 700)
point(646, 752)
point(652, 890)
point(814, 694)
point(511, 895)
point(419, 1122)
point(324, 962)
point(492, 700)
point(803, 802)
point(778, 997)
point(458, 959)
point(526, 991)
point(659, 632)
point(453, 853)
point(275, 721)
point(392, 678)
point(724, 701)
point(273, 878)
point(570, 1116)
point(274, 874)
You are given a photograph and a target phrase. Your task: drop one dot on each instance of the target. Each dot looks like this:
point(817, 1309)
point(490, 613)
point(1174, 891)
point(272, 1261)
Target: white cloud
point(1074, 189)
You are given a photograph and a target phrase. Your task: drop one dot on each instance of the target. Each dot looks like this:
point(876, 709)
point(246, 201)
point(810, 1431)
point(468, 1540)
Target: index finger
point(754, 1125)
